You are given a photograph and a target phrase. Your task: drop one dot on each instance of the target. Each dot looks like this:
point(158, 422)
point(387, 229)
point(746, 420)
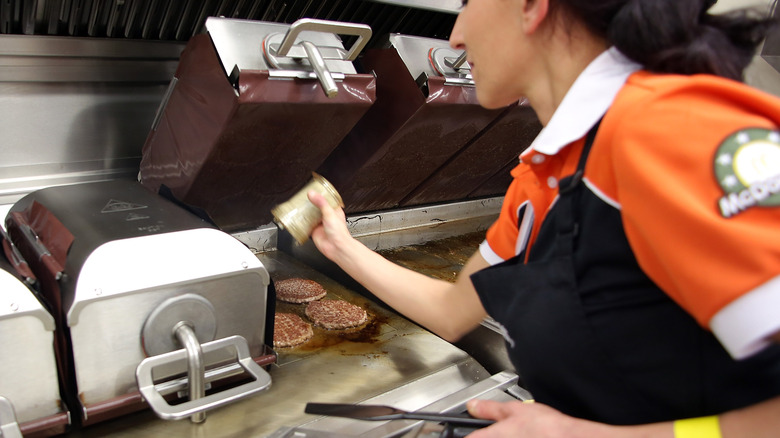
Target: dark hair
point(674, 36)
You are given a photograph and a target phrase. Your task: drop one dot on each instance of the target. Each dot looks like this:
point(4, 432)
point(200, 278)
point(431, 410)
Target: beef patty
point(298, 290)
point(290, 330)
point(335, 314)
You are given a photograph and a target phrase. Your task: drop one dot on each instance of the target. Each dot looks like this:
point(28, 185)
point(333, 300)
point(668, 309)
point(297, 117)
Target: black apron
point(591, 335)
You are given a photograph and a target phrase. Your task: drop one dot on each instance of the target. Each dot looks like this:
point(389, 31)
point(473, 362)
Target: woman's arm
point(448, 309)
point(537, 420)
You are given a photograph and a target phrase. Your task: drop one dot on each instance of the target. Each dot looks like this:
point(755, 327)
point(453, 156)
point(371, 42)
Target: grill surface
point(335, 366)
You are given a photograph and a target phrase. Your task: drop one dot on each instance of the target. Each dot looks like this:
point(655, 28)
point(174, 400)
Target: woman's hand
point(332, 233)
point(537, 420)
point(519, 419)
point(448, 309)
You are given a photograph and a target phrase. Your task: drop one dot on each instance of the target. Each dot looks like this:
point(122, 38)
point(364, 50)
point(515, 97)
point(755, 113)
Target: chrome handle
point(196, 369)
point(362, 31)
point(261, 380)
point(316, 61)
point(457, 63)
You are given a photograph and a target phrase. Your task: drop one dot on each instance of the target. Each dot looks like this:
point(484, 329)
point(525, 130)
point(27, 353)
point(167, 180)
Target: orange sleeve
point(670, 146)
point(502, 235)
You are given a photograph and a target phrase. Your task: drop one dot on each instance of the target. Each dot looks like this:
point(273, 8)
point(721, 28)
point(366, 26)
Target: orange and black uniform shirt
point(693, 165)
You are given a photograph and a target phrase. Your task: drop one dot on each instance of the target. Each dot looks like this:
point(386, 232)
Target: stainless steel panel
point(27, 366)
point(393, 228)
point(497, 387)
point(122, 283)
point(239, 44)
point(414, 52)
point(449, 6)
point(412, 226)
point(770, 50)
point(76, 109)
point(31, 47)
point(107, 344)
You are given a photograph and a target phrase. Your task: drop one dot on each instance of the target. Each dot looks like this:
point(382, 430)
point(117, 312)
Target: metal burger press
point(151, 305)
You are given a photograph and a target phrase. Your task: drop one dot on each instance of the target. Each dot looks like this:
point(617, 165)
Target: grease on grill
point(442, 259)
point(367, 335)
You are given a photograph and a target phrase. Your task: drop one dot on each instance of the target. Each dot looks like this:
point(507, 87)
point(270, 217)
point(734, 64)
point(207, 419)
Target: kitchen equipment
point(391, 362)
point(497, 387)
point(382, 413)
point(298, 215)
point(78, 83)
point(426, 139)
point(498, 183)
point(482, 167)
point(254, 107)
point(132, 279)
point(30, 399)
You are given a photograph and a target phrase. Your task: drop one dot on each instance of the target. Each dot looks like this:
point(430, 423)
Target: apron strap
point(567, 225)
point(569, 183)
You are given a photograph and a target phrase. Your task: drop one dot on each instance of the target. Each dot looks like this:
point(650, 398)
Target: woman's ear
point(534, 12)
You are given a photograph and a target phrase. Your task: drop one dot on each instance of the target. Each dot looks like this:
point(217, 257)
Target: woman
point(636, 262)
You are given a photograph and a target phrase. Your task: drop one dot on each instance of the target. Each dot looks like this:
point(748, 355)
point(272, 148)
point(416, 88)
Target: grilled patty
point(299, 290)
point(335, 314)
point(290, 330)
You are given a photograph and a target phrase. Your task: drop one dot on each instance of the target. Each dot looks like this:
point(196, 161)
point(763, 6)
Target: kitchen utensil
point(298, 215)
point(380, 413)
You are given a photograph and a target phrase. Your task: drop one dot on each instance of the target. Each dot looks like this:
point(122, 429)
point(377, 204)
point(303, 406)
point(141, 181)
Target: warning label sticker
point(135, 217)
point(115, 206)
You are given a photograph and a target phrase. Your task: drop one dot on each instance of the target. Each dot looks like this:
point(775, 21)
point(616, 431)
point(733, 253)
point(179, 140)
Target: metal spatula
point(381, 413)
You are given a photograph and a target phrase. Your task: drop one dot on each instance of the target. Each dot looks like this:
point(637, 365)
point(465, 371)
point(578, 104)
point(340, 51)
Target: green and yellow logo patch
point(747, 166)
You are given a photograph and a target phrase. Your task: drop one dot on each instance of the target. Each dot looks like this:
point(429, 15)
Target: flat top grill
point(390, 353)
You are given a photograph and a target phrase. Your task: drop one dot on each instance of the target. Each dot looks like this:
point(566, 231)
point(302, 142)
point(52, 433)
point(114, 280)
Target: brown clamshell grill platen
point(482, 167)
point(235, 153)
point(426, 140)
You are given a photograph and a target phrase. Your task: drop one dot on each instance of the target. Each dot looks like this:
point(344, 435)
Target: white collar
point(586, 101)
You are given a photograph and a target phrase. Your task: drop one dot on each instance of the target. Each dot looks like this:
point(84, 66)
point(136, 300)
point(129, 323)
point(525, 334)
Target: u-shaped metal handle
point(362, 31)
point(144, 376)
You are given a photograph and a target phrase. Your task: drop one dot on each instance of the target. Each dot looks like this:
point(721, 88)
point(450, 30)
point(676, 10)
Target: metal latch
point(284, 53)
point(451, 64)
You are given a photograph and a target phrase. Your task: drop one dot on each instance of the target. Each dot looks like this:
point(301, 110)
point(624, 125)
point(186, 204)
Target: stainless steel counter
point(391, 358)
point(390, 361)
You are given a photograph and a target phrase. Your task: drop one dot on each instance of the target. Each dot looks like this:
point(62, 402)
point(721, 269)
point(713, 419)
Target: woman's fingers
point(327, 211)
point(516, 418)
point(489, 409)
point(317, 199)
